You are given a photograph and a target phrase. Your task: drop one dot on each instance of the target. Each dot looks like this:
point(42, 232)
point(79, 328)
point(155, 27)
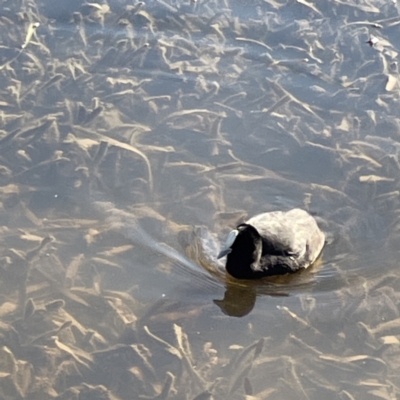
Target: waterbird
point(273, 243)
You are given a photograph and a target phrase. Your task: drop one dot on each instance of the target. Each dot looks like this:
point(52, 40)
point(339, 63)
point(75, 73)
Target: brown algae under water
point(123, 126)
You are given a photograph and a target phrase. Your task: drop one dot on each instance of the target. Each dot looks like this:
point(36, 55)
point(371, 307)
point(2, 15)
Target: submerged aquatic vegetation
point(121, 126)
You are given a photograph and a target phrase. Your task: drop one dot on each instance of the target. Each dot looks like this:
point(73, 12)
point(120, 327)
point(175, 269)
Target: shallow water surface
point(134, 136)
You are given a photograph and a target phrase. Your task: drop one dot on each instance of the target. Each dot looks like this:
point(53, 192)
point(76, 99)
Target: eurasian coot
point(273, 243)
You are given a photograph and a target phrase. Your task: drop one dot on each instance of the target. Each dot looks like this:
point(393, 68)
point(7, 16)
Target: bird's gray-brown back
point(292, 233)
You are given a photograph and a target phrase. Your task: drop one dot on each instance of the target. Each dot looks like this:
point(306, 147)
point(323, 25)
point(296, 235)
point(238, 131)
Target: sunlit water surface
point(135, 136)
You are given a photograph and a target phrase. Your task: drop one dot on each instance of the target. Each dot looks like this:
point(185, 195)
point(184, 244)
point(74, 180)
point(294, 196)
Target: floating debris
point(373, 40)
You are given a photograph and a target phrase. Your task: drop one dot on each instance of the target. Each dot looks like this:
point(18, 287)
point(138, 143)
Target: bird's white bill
point(223, 253)
point(229, 242)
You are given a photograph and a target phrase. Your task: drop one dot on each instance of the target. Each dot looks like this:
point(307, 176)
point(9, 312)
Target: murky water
point(133, 137)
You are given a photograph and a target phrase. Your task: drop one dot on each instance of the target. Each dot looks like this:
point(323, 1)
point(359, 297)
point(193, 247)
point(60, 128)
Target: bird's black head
point(243, 249)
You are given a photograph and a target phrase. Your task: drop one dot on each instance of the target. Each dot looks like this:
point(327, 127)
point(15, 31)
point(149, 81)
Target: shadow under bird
point(273, 243)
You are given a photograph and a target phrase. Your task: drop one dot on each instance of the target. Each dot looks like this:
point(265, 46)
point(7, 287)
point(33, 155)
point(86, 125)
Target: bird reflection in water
point(240, 297)
point(238, 300)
